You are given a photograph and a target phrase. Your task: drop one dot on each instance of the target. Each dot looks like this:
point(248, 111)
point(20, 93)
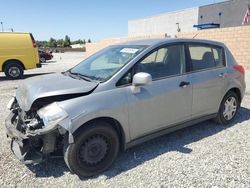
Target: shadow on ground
point(48, 62)
point(4, 78)
point(137, 155)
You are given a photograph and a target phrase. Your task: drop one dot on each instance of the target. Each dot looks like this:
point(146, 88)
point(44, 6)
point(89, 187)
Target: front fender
point(112, 104)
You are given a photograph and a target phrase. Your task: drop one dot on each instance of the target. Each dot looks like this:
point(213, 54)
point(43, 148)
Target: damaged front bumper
point(30, 147)
point(20, 145)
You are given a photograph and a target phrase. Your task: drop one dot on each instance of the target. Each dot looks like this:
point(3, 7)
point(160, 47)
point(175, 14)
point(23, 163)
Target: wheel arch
point(115, 124)
point(12, 61)
point(237, 92)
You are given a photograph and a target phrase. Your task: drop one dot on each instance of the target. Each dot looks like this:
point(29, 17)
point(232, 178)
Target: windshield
point(104, 64)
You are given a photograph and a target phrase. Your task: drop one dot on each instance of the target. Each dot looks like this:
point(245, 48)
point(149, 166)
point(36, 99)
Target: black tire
point(13, 70)
point(221, 117)
point(99, 137)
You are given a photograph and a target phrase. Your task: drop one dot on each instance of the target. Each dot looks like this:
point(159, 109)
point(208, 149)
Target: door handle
point(184, 84)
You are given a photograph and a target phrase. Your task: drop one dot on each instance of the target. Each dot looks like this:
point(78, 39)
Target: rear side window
point(219, 57)
point(205, 56)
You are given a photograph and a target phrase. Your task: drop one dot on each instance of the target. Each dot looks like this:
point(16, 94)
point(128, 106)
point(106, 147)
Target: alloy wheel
point(230, 107)
point(14, 72)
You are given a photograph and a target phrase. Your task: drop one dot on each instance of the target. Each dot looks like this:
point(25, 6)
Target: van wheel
point(228, 108)
point(13, 70)
point(94, 150)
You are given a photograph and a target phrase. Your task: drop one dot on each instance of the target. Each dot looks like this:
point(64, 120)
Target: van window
point(205, 56)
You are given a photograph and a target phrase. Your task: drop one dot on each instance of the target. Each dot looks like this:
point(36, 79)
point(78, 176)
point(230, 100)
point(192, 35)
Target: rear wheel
point(228, 108)
point(13, 70)
point(94, 150)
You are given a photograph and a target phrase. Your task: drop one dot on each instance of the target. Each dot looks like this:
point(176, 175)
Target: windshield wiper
point(84, 77)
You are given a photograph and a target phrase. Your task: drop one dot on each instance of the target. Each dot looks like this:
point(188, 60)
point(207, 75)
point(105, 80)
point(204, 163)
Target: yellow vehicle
point(18, 52)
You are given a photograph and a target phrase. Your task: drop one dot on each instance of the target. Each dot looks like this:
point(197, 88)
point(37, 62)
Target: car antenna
point(195, 35)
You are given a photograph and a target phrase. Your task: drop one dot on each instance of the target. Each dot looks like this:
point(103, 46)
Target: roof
point(152, 42)
point(14, 33)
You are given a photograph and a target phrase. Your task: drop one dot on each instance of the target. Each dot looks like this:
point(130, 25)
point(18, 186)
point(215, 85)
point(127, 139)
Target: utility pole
point(2, 26)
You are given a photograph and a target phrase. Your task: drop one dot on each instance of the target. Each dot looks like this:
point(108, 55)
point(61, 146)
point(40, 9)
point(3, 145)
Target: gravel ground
point(204, 155)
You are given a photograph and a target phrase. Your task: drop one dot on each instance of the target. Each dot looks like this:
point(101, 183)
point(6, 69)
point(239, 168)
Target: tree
point(60, 43)
point(42, 44)
point(79, 41)
point(52, 43)
point(67, 41)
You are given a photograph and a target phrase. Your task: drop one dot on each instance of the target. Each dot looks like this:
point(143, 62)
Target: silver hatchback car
point(122, 96)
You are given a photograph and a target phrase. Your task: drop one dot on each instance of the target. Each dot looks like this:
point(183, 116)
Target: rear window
point(33, 40)
point(206, 56)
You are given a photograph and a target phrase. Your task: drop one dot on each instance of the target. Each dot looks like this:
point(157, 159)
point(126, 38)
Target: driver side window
point(165, 62)
point(126, 79)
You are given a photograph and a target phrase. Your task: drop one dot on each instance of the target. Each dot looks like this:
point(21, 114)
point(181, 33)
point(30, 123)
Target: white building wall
point(77, 46)
point(165, 23)
point(229, 13)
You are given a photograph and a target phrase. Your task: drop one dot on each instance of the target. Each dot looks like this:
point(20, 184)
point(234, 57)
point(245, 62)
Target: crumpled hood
point(50, 85)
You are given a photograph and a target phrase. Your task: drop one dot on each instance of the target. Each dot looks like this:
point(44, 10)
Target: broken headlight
point(52, 115)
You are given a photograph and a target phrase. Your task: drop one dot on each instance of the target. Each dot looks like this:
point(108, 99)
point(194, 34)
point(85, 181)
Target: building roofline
point(162, 14)
point(222, 2)
point(176, 11)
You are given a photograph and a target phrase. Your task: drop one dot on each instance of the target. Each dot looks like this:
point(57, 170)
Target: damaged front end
point(35, 134)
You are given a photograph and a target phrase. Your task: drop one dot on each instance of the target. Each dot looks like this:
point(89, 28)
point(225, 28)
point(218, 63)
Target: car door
point(207, 77)
point(168, 99)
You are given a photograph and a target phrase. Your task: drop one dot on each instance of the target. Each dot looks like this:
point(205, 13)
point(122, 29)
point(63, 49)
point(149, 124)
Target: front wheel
point(228, 108)
point(94, 150)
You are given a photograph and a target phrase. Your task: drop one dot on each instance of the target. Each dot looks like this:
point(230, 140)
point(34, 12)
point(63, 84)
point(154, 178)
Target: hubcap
point(230, 108)
point(93, 150)
point(14, 72)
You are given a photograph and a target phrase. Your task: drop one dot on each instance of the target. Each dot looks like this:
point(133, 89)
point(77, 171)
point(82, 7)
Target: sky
point(83, 19)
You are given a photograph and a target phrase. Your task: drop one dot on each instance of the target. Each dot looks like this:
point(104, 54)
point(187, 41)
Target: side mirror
point(140, 79)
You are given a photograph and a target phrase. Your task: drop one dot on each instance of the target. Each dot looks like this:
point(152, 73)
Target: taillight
point(239, 68)
point(33, 40)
